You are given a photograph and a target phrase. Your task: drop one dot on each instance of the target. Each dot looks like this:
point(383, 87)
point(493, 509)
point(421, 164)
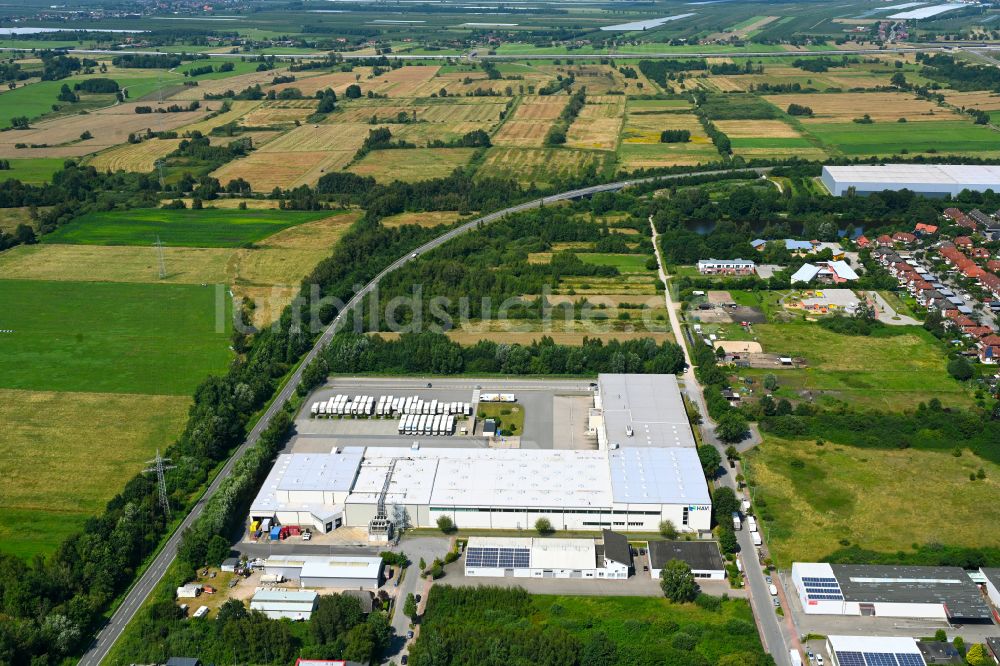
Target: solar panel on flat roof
point(850, 659)
point(880, 659)
point(498, 558)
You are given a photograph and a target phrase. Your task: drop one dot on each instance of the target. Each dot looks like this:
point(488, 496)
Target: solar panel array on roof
point(852, 658)
point(822, 588)
point(498, 558)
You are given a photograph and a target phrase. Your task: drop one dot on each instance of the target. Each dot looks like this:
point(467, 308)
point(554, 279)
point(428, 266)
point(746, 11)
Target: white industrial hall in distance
point(644, 470)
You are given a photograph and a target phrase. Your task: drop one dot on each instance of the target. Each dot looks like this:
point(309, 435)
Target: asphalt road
point(137, 595)
point(475, 55)
point(768, 624)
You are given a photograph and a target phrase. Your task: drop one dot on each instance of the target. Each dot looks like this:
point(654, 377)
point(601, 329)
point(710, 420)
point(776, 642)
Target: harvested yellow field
point(270, 274)
point(100, 263)
point(598, 125)
point(109, 126)
point(526, 133)
point(881, 106)
point(237, 110)
point(234, 83)
point(267, 170)
point(402, 82)
point(298, 157)
point(429, 219)
point(265, 116)
point(336, 81)
point(598, 79)
point(731, 83)
point(135, 157)
point(541, 108)
point(749, 129)
point(982, 100)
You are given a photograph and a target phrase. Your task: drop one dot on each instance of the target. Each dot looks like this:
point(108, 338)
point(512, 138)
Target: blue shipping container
point(275, 533)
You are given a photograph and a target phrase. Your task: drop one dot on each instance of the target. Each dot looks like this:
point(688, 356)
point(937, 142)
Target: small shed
point(489, 427)
point(230, 563)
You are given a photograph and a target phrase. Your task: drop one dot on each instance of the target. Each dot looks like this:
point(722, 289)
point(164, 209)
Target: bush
point(544, 526)
point(446, 524)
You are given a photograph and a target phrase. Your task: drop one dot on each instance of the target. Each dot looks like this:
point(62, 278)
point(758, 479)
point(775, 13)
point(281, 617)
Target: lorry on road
point(751, 523)
point(737, 523)
point(757, 541)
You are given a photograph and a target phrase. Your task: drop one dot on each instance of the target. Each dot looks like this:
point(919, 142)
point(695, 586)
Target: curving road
point(141, 590)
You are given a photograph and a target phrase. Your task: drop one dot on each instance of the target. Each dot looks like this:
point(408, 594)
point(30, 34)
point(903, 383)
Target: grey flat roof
point(650, 404)
point(657, 476)
point(700, 555)
point(616, 547)
point(992, 574)
point(950, 586)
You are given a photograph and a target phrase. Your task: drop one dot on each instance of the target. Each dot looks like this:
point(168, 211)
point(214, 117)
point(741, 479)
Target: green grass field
point(945, 137)
point(176, 228)
point(34, 171)
point(32, 100)
point(511, 417)
point(66, 454)
point(816, 496)
point(626, 263)
point(892, 372)
point(111, 337)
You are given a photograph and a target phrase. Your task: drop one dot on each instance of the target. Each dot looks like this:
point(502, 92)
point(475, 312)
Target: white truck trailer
point(737, 523)
point(752, 523)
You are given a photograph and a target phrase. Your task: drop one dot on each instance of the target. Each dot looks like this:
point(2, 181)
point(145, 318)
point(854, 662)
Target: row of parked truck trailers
point(426, 424)
point(386, 405)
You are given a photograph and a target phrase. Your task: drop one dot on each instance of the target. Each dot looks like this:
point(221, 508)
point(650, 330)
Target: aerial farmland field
point(189, 228)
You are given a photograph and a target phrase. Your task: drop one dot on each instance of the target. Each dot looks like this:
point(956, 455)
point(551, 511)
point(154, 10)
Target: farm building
point(943, 593)
point(549, 558)
point(321, 571)
point(935, 180)
point(702, 556)
point(277, 604)
point(726, 267)
point(874, 651)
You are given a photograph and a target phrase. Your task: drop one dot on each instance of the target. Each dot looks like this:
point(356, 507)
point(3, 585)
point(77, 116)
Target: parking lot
point(555, 413)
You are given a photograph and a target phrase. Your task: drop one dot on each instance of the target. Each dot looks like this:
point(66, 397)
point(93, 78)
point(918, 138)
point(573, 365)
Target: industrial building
point(534, 557)
point(992, 585)
point(874, 651)
point(278, 604)
point(640, 410)
point(933, 180)
point(646, 470)
point(631, 489)
point(703, 557)
point(321, 571)
point(942, 593)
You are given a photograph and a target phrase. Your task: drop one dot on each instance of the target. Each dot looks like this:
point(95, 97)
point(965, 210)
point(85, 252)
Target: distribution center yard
point(112, 338)
point(819, 496)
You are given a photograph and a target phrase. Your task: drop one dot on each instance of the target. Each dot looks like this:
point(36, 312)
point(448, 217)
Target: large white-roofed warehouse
point(645, 470)
point(933, 180)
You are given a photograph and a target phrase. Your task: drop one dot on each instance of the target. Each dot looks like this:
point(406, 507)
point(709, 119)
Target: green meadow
point(174, 228)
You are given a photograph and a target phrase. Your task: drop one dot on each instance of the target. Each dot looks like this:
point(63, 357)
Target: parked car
point(768, 580)
point(819, 660)
point(409, 635)
point(307, 536)
point(405, 659)
point(417, 598)
point(773, 589)
point(775, 601)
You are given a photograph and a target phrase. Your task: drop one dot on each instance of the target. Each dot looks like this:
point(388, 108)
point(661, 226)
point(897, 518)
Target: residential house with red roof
point(963, 242)
point(884, 240)
point(904, 238)
point(925, 229)
point(863, 242)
